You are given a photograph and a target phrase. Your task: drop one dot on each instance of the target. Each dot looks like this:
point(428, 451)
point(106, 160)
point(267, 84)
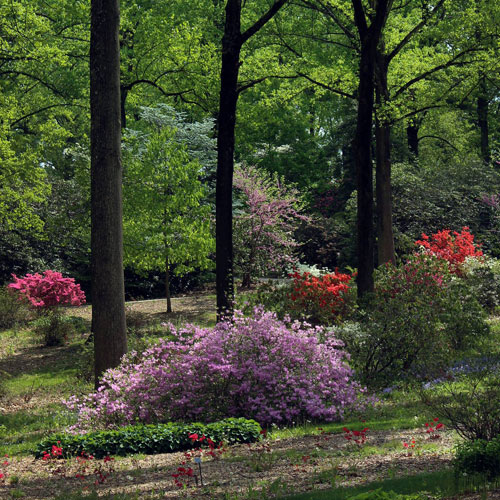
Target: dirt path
point(291, 465)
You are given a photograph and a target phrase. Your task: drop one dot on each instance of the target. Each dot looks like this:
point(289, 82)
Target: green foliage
point(54, 329)
point(483, 278)
point(479, 457)
point(380, 494)
point(13, 312)
point(417, 319)
point(471, 403)
point(151, 439)
point(430, 197)
point(166, 216)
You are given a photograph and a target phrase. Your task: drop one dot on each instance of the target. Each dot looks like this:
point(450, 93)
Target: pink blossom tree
point(47, 294)
point(266, 214)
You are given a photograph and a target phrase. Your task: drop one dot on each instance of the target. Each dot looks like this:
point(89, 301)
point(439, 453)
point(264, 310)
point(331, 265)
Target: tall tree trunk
point(108, 297)
point(167, 285)
point(482, 118)
point(123, 111)
point(231, 46)
point(364, 171)
point(370, 37)
point(232, 42)
point(412, 138)
point(385, 234)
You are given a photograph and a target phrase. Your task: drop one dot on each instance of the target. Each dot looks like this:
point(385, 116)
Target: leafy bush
point(470, 402)
point(454, 249)
point(320, 298)
point(483, 277)
point(272, 295)
point(49, 290)
point(12, 310)
point(151, 439)
point(323, 299)
point(47, 294)
point(417, 318)
point(479, 457)
point(259, 367)
point(54, 329)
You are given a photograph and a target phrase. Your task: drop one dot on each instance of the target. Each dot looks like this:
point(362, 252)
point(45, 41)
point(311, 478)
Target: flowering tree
point(257, 367)
point(266, 214)
point(47, 293)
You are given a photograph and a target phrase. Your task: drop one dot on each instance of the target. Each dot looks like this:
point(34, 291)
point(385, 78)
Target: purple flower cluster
point(259, 367)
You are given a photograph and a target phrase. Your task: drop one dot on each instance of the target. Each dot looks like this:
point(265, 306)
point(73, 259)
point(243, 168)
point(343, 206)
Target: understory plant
point(47, 294)
point(418, 317)
point(320, 298)
point(258, 367)
point(323, 299)
point(470, 402)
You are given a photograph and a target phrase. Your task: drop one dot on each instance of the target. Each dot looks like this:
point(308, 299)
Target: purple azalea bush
point(259, 367)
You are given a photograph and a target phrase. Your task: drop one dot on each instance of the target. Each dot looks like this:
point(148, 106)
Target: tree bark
point(108, 296)
point(370, 37)
point(231, 47)
point(385, 234)
point(167, 285)
point(232, 42)
point(364, 171)
point(482, 118)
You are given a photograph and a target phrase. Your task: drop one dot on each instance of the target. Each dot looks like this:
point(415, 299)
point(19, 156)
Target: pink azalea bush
point(48, 291)
point(259, 367)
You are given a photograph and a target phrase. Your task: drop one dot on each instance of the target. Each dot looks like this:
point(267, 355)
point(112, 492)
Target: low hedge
point(479, 457)
point(150, 439)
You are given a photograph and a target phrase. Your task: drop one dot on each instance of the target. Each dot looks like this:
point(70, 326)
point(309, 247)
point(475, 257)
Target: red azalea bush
point(48, 291)
point(453, 247)
point(46, 294)
point(321, 299)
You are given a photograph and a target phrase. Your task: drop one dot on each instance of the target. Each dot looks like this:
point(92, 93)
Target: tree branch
point(451, 62)
point(262, 20)
point(15, 122)
point(446, 141)
point(327, 87)
point(413, 32)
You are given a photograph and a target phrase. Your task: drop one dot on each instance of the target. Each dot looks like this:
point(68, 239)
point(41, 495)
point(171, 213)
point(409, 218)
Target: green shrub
point(273, 295)
point(479, 457)
point(414, 323)
point(483, 277)
point(53, 328)
point(151, 439)
point(13, 312)
point(470, 402)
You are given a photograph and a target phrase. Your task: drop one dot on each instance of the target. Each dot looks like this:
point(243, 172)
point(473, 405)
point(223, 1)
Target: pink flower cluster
point(259, 367)
point(49, 290)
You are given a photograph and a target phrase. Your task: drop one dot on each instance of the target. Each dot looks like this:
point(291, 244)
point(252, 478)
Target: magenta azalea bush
point(260, 367)
point(48, 290)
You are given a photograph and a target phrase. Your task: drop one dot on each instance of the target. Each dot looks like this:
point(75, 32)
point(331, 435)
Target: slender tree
point(370, 34)
point(108, 295)
point(232, 42)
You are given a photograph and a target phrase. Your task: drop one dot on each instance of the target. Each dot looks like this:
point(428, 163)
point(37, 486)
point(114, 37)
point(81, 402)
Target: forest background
point(437, 115)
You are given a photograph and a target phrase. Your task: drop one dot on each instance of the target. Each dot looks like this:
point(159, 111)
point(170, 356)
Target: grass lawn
point(307, 461)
